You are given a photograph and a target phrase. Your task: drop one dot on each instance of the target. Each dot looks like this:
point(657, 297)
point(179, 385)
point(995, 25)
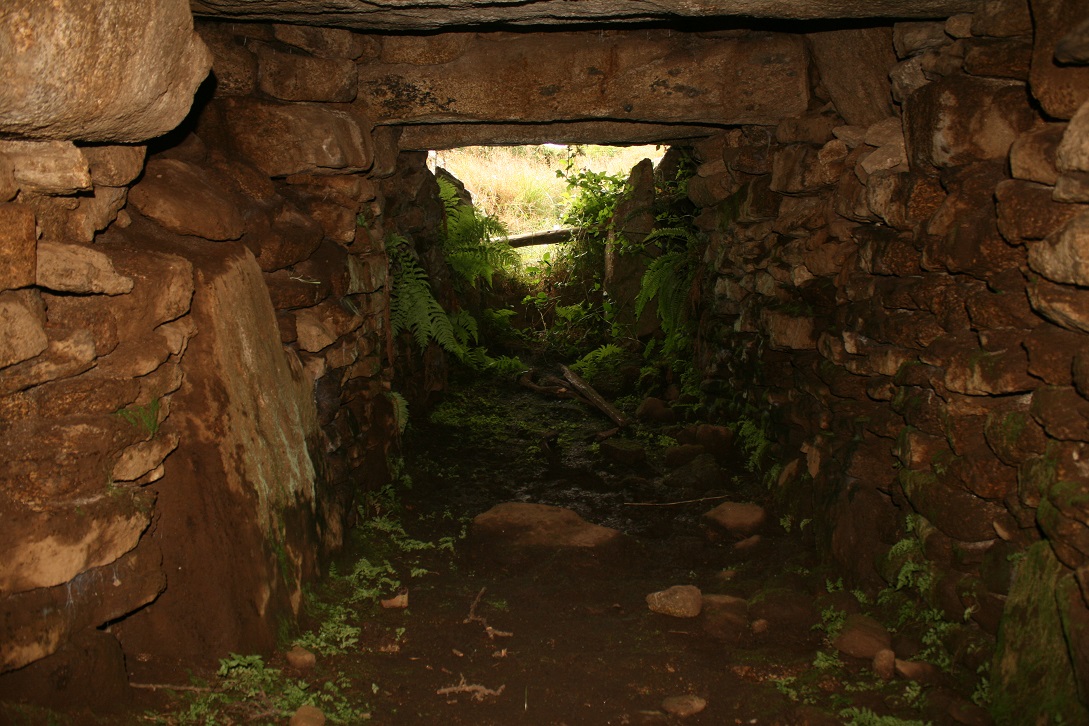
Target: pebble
point(884, 664)
point(684, 706)
point(915, 670)
point(307, 716)
point(679, 601)
point(738, 518)
point(862, 637)
point(301, 658)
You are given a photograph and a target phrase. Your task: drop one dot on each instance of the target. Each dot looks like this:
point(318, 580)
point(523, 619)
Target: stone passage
point(195, 357)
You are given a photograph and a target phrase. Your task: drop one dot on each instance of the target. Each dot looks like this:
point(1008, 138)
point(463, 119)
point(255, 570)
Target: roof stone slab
point(430, 15)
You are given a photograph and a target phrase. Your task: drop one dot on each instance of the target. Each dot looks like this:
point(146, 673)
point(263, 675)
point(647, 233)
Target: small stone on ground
point(679, 601)
point(307, 716)
point(684, 706)
point(301, 658)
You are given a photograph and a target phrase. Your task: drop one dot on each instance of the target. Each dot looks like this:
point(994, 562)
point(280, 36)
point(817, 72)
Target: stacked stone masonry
point(195, 364)
point(902, 284)
point(195, 359)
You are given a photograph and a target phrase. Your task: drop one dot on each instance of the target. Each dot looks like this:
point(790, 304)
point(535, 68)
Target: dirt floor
point(498, 634)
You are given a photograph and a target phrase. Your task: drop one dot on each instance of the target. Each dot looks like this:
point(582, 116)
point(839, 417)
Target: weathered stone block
point(291, 238)
point(963, 119)
point(801, 168)
point(998, 58)
point(628, 76)
point(47, 167)
point(1012, 434)
point(77, 219)
point(56, 87)
point(1033, 154)
point(38, 622)
point(1067, 307)
point(953, 510)
point(234, 67)
point(79, 269)
point(1064, 255)
point(913, 37)
point(187, 200)
point(290, 139)
point(1059, 88)
point(1002, 19)
point(324, 42)
point(45, 549)
point(982, 373)
point(1027, 212)
point(114, 166)
point(1062, 412)
point(1051, 352)
point(1072, 159)
point(18, 261)
point(292, 77)
point(295, 290)
point(22, 331)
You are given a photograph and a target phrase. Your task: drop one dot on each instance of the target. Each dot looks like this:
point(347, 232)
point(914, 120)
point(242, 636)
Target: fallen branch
point(171, 687)
point(478, 692)
point(671, 504)
point(472, 617)
point(588, 392)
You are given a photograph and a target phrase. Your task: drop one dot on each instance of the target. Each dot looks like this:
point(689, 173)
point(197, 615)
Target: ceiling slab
point(431, 15)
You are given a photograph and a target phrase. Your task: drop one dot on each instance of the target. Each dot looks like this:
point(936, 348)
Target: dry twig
point(478, 692)
point(671, 504)
point(472, 617)
point(171, 687)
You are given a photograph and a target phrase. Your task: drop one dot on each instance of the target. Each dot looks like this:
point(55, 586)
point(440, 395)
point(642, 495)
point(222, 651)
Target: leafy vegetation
point(145, 417)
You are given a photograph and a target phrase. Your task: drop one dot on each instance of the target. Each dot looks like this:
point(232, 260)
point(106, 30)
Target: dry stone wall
point(194, 362)
point(901, 283)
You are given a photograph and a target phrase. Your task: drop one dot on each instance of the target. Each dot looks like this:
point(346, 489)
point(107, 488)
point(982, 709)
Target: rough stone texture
point(683, 706)
point(1072, 159)
point(307, 716)
point(644, 76)
point(395, 16)
point(22, 333)
point(1031, 649)
point(1064, 255)
point(854, 65)
point(18, 258)
point(115, 72)
point(114, 166)
point(47, 167)
point(1033, 155)
point(540, 525)
point(300, 138)
point(417, 137)
point(679, 601)
point(739, 519)
point(246, 418)
point(960, 119)
point(291, 77)
point(862, 637)
point(1060, 89)
point(323, 42)
point(183, 199)
point(79, 269)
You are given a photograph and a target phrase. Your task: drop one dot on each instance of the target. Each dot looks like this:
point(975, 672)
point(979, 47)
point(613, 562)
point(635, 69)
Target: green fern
point(400, 410)
point(414, 309)
point(475, 245)
point(602, 360)
point(669, 279)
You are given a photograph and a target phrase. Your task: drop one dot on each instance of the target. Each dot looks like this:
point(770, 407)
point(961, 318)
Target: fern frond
point(400, 410)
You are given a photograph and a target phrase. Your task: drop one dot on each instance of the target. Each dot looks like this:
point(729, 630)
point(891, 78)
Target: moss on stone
point(1032, 675)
